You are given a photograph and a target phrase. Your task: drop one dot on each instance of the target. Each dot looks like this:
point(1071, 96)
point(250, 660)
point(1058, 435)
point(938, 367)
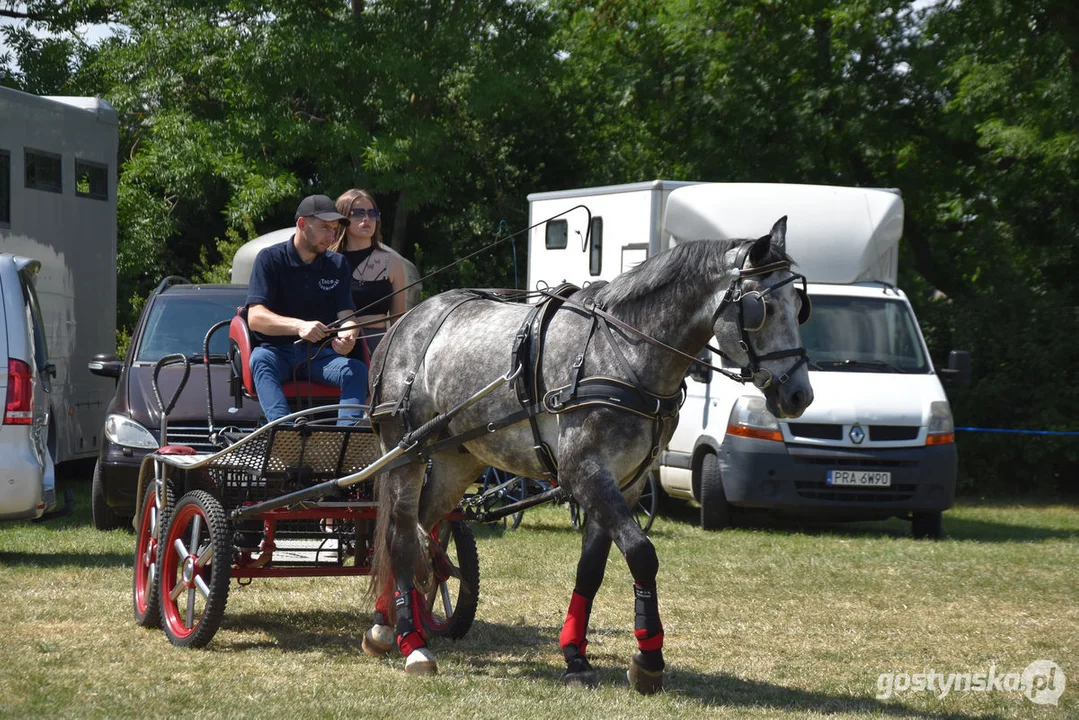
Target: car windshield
point(178, 323)
point(858, 334)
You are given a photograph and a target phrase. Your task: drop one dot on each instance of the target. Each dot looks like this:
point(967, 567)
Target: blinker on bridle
point(752, 314)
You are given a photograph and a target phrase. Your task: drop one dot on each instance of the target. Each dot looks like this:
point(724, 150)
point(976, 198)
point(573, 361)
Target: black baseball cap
point(321, 207)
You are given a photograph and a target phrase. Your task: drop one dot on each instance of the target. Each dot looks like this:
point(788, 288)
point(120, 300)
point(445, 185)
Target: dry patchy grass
point(769, 620)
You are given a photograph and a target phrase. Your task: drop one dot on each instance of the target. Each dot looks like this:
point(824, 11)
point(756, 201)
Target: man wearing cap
point(298, 289)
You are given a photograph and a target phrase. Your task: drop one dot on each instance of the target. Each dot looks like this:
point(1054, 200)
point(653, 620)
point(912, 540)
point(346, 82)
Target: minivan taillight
point(20, 394)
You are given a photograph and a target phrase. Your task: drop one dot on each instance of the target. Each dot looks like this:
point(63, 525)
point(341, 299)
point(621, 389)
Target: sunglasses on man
point(359, 213)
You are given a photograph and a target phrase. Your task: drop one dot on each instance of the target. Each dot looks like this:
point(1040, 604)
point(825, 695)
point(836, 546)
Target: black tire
point(104, 517)
point(451, 605)
point(715, 511)
point(146, 585)
point(644, 512)
point(191, 612)
point(927, 525)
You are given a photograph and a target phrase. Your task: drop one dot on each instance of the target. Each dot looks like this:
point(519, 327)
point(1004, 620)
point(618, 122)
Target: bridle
point(752, 313)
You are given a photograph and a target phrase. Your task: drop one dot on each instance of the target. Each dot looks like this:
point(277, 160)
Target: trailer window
point(595, 247)
point(557, 234)
point(5, 188)
point(91, 179)
point(43, 171)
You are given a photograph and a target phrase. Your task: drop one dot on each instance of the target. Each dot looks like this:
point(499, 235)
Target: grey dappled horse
point(682, 298)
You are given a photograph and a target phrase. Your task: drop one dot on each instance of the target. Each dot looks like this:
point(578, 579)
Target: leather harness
point(530, 388)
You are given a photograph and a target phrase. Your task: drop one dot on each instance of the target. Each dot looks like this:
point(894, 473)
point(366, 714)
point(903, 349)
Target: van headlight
point(122, 430)
point(941, 425)
point(750, 418)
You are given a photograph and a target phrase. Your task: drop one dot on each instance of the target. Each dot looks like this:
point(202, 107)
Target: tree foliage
point(452, 112)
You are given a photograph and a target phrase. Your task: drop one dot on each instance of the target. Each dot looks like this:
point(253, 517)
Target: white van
point(27, 479)
point(878, 440)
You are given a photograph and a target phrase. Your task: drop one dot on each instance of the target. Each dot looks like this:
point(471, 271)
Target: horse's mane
point(690, 262)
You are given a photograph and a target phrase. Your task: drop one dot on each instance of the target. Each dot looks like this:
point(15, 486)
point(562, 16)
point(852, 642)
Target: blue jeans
point(271, 365)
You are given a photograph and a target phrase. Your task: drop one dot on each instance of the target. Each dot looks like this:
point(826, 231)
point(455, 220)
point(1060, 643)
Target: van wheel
point(715, 511)
point(105, 518)
point(927, 525)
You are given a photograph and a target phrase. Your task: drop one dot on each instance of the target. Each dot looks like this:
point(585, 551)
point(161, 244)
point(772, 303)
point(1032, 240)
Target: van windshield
point(857, 334)
point(177, 323)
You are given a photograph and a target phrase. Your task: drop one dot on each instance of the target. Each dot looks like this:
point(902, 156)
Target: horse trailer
point(878, 440)
point(58, 160)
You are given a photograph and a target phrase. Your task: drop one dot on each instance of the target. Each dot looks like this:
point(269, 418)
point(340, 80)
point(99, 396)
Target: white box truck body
point(58, 160)
point(877, 441)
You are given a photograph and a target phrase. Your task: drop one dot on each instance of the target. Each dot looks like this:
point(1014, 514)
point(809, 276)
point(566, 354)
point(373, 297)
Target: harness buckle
point(783, 379)
point(578, 361)
point(410, 379)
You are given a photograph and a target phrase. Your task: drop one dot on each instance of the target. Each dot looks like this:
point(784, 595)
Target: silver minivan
point(27, 476)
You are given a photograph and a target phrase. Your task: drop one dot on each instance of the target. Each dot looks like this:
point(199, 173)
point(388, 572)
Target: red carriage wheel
point(196, 566)
point(450, 607)
point(146, 585)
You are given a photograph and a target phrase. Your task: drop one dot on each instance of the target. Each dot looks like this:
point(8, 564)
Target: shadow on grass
point(65, 559)
point(496, 650)
point(530, 652)
point(334, 632)
point(955, 527)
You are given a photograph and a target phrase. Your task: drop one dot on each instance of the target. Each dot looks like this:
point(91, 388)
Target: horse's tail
point(415, 552)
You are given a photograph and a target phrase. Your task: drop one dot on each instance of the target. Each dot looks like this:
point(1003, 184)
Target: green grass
point(769, 620)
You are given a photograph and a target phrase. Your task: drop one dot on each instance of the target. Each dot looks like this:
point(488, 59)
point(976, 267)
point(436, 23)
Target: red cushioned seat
point(241, 346)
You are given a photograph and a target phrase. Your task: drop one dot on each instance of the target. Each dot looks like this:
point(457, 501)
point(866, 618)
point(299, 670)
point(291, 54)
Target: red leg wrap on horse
point(576, 625)
point(648, 643)
point(410, 642)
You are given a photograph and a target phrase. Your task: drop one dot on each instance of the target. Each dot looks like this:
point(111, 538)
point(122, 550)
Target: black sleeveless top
point(365, 292)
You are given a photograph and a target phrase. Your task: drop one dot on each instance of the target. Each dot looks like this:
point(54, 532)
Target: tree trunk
point(400, 222)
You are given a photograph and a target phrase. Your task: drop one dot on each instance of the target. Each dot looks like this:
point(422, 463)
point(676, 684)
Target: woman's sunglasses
point(358, 213)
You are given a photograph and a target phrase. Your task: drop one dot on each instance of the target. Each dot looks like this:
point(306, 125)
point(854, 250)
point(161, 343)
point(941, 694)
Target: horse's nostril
point(797, 398)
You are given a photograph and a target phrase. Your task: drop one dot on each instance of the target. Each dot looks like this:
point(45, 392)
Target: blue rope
point(1019, 432)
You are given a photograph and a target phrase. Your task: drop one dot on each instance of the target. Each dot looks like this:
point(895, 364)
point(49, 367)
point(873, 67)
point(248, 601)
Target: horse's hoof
point(378, 640)
point(585, 678)
point(646, 682)
point(421, 662)
point(579, 673)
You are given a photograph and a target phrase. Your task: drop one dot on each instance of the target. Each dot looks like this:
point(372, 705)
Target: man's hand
point(343, 344)
point(313, 331)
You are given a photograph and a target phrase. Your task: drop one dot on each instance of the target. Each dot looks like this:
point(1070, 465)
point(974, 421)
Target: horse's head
point(757, 318)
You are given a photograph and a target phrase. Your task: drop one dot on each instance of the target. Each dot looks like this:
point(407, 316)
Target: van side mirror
point(105, 365)
point(958, 371)
point(701, 373)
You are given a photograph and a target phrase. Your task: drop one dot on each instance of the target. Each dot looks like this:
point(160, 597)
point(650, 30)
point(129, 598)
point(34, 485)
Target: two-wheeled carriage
point(295, 498)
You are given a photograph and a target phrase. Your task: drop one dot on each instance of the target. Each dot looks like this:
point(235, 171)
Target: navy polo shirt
point(288, 286)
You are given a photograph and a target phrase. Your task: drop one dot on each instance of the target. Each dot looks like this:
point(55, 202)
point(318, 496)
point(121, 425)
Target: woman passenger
point(376, 272)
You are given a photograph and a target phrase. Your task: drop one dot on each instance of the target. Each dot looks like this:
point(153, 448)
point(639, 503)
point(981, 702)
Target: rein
point(747, 374)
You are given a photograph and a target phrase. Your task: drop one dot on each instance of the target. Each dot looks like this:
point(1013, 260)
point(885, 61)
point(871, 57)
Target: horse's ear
point(779, 235)
point(759, 250)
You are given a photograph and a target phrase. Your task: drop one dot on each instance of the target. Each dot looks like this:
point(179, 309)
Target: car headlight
point(941, 425)
point(122, 430)
point(750, 418)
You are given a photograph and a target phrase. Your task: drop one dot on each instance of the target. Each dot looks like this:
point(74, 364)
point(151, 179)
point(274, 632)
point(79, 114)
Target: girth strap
point(528, 352)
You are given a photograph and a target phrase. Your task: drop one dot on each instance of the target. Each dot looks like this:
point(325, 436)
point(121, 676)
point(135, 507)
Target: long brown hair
point(344, 206)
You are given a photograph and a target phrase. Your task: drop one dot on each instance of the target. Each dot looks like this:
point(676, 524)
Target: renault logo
point(857, 434)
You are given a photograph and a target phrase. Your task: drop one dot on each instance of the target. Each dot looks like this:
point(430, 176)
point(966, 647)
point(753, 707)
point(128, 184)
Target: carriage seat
point(240, 347)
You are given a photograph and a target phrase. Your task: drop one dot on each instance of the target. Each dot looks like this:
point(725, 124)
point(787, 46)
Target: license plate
point(867, 478)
